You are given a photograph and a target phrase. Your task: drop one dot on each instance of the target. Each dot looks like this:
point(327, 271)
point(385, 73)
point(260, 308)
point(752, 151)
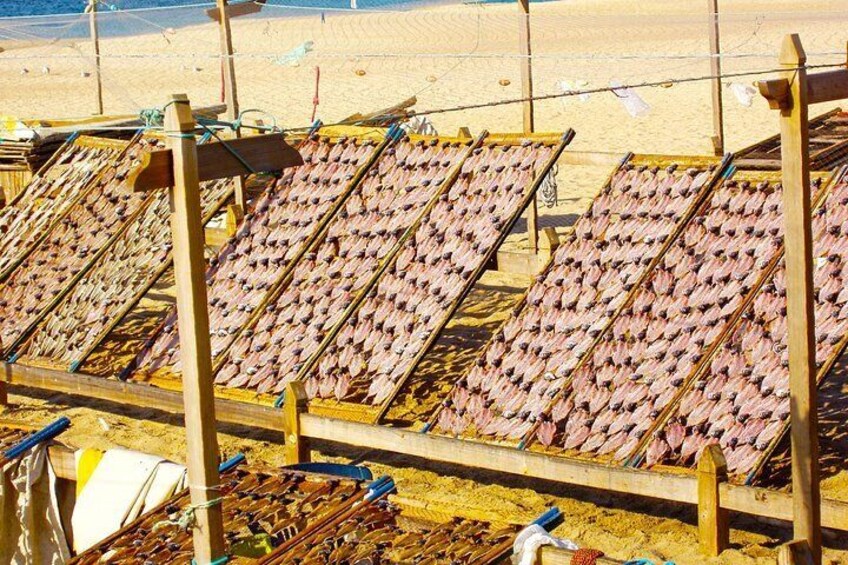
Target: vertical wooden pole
point(228, 70)
point(528, 117)
point(4, 394)
point(715, 71)
point(235, 215)
point(193, 320)
point(794, 140)
point(297, 447)
point(95, 39)
point(713, 524)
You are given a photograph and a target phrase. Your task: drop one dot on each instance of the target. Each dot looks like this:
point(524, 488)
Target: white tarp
point(31, 530)
point(124, 485)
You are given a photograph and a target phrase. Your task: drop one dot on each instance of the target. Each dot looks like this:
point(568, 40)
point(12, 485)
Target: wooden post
point(235, 215)
point(297, 447)
point(715, 71)
point(713, 524)
point(193, 320)
point(795, 553)
point(528, 117)
point(4, 393)
point(95, 39)
point(795, 153)
point(228, 70)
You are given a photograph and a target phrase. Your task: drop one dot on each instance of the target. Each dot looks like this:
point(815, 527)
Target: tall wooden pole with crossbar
point(228, 73)
point(181, 167)
point(95, 40)
point(792, 95)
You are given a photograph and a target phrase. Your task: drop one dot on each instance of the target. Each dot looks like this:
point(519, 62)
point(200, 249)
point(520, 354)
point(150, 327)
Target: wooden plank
point(795, 156)
point(827, 86)
point(297, 401)
point(675, 487)
point(193, 319)
point(713, 524)
point(715, 82)
point(261, 153)
point(236, 10)
point(63, 463)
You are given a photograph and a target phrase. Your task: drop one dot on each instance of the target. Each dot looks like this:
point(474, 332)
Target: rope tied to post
point(187, 519)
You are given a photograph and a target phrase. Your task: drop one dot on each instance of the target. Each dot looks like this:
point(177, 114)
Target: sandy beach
point(450, 56)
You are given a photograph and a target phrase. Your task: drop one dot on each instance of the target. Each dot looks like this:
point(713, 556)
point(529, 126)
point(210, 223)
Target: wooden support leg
point(235, 215)
point(795, 553)
point(713, 525)
point(4, 393)
point(297, 446)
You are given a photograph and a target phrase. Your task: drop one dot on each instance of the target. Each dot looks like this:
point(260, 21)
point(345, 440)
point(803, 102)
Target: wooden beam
point(261, 153)
point(821, 87)
point(297, 401)
point(795, 552)
point(95, 40)
point(795, 154)
point(236, 10)
point(193, 322)
point(713, 524)
point(235, 215)
point(63, 462)
point(681, 488)
point(715, 71)
point(528, 118)
point(228, 74)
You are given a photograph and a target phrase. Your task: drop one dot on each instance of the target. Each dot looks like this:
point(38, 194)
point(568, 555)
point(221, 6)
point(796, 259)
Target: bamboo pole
point(193, 319)
point(528, 115)
point(95, 39)
point(228, 72)
point(715, 71)
point(795, 154)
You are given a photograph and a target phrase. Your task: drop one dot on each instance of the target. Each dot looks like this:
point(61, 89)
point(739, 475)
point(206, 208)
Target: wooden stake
point(795, 553)
point(795, 153)
point(235, 215)
point(95, 39)
point(528, 117)
point(228, 71)
point(713, 524)
point(715, 71)
point(4, 393)
point(297, 447)
point(193, 320)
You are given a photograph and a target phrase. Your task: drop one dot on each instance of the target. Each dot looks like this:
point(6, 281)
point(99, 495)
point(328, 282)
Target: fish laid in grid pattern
point(741, 401)
point(246, 269)
point(654, 347)
point(531, 357)
point(70, 246)
point(48, 196)
point(387, 202)
point(381, 341)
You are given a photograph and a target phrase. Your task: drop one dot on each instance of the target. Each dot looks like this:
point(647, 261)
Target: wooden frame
point(672, 487)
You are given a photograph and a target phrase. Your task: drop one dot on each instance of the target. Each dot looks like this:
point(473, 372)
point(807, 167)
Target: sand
point(371, 61)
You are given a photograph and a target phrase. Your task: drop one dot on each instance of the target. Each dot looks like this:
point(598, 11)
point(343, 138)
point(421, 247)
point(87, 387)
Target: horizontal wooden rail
point(674, 487)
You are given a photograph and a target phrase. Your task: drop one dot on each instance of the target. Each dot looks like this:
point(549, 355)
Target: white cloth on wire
point(566, 86)
point(296, 56)
point(530, 539)
point(744, 93)
point(633, 103)
point(31, 531)
point(419, 125)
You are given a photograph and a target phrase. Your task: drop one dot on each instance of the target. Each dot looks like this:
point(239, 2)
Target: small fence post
point(297, 447)
point(795, 552)
point(4, 393)
point(235, 214)
point(713, 525)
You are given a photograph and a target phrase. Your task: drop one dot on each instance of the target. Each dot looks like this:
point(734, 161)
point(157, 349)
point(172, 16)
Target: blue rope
point(220, 561)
